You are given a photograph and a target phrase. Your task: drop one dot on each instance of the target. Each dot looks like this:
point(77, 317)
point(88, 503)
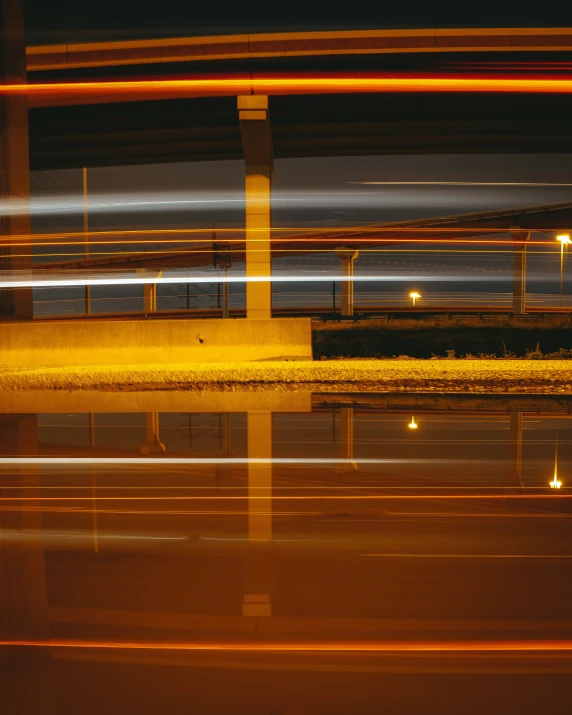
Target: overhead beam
point(295, 44)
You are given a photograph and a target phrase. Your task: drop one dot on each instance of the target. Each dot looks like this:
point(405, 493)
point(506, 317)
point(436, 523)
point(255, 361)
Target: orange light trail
point(298, 497)
point(505, 646)
point(280, 85)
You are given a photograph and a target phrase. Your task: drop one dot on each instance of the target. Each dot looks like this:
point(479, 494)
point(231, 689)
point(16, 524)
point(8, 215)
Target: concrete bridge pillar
point(347, 257)
point(520, 238)
point(14, 161)
point(258, 156)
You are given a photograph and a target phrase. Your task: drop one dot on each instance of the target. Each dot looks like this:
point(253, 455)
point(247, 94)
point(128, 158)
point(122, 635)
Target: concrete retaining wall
point(144, 342)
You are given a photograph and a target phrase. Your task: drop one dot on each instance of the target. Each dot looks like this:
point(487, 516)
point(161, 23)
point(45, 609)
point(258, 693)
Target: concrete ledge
point(157, 342)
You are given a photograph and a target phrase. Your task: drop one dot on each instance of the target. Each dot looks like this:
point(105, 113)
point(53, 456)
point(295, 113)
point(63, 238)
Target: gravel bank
point(478, 376)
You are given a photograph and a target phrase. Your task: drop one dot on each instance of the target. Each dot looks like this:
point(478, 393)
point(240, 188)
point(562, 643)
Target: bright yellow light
point(563, 238)
point(555, 484)
point(414, 296)
point(412, 424)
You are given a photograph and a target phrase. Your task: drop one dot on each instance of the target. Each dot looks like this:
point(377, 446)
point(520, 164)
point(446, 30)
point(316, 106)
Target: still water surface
point(285, 553)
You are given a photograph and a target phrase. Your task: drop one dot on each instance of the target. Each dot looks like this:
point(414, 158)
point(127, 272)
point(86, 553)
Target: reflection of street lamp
point(412, 424)
point(555, 483)
point(414, 297)
point(564, 239)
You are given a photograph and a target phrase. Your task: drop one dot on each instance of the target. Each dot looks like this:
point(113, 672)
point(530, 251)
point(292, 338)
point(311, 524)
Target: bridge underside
point(302, 126)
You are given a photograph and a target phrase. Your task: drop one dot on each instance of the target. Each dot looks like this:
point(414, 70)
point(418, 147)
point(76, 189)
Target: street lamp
point(414, 295)
point(412, 424)
point(564, 239)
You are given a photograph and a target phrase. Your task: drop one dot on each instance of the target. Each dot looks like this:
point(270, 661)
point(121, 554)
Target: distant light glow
point(412, 424)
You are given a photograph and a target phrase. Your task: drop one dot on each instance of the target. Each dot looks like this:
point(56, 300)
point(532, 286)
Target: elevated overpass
point(115, 120)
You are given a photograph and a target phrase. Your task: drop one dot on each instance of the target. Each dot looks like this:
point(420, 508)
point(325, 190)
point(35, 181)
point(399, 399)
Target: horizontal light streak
point(235, 85)
point(15, 535)
point(300, 497)
point(224, 461)
point(77, 281)
point(470, 556)
point(502, 646)
point(459, 183)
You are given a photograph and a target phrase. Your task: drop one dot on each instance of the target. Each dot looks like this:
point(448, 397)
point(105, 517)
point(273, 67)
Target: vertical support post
point(347, 257)
point(258, 156)
point(14, 161)
point(516, 445)
point(86, 239)
point(149, 290)
point(519, 270)
point(225, 303)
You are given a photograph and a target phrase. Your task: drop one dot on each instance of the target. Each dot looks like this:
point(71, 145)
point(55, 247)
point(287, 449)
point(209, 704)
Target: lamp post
point(414, 297)
point(564, 240)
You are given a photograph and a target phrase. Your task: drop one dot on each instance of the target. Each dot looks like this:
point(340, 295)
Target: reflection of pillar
point(153, 442)
point(14, 159)
point(519, 270)
point(258, 157)
point(260, 476)
point(347, 257)
point(347, 437)
point(516, 445)
point(257, 587)
point(24, 672)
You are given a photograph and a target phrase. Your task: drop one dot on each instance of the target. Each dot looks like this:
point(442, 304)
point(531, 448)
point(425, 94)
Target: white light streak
point(200, 461)
point(77, 281)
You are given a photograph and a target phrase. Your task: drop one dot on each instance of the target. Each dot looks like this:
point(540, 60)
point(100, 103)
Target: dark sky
point(73, 21)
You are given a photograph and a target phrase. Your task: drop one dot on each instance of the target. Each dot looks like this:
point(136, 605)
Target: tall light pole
point(564, 240)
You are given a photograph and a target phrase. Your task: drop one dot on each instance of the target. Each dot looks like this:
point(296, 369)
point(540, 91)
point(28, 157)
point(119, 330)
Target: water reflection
point(284, 552)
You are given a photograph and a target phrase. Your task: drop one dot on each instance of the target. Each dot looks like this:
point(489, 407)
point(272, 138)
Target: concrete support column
point(14, 161)
point(258, 156)
point(516, 446)
point(520, 238)
point(347, 257)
